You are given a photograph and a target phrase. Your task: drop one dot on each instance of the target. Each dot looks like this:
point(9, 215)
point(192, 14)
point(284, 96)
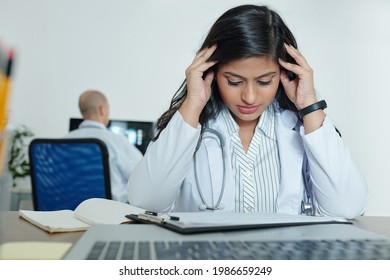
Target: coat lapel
point(291, 156)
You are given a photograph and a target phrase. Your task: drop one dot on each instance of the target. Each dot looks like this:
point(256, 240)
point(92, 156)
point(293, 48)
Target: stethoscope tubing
point(307, 206)
point(204, 205)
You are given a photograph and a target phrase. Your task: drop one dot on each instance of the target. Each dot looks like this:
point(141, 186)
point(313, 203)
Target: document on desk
point(197, 222)
point(90, 211)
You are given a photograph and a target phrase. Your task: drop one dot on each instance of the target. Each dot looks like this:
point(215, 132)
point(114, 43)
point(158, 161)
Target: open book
point(90, 211)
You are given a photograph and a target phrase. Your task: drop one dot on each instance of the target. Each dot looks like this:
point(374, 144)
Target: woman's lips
point(247, 109)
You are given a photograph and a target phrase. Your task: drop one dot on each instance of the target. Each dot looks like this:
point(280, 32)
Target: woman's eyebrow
point(259, 77)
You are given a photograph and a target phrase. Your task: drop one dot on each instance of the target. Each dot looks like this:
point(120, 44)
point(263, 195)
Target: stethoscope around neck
point(307, 206)
point(214, 134)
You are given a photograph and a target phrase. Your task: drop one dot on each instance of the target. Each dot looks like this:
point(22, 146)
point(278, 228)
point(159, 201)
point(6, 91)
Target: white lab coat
point(164, 179)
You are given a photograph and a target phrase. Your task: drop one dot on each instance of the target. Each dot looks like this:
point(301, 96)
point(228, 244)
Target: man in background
point(123, 156)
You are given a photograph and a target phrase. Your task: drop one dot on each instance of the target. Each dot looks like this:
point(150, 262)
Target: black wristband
point(311, 108)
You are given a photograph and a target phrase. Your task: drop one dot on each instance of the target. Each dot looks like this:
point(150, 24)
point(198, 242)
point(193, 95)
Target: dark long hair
point(241, 32)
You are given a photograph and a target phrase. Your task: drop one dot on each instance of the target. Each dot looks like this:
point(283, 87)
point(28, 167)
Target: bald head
point(94, 106)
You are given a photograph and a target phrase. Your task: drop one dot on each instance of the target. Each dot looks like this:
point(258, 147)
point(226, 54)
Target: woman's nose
point(248, 94)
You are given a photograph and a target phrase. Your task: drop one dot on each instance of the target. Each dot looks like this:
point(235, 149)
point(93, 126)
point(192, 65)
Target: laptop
point(152, 242)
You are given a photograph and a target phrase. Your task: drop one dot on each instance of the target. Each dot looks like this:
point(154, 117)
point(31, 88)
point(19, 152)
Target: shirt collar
point(266, 123)
point(89, 123)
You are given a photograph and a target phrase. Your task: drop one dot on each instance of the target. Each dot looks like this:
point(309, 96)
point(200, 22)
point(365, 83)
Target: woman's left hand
point(300, 90)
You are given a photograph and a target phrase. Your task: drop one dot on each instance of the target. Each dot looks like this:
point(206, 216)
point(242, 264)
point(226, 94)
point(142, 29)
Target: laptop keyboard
point(242, 250)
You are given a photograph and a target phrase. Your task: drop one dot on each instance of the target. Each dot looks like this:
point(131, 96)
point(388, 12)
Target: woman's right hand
point(198, 87)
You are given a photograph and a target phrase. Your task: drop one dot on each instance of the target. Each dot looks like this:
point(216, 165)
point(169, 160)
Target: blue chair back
point(65, 172)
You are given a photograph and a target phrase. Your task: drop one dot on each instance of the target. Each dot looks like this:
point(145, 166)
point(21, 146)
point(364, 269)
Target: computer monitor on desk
point(139, 133)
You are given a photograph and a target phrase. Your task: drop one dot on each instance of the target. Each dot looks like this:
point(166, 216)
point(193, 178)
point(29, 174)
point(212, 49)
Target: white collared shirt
point(256, 172)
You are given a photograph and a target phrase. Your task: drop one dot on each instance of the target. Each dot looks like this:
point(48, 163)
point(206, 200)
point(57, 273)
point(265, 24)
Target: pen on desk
point(151, 218)
point(154, 216)
point(151, 213)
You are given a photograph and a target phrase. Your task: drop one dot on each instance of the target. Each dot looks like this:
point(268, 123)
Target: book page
point(105, 211)
point(54, 221)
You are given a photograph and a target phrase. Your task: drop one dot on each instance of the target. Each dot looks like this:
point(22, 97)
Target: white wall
point(136, 52)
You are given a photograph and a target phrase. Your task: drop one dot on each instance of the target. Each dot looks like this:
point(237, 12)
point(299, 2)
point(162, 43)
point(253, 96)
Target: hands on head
point(299, 90)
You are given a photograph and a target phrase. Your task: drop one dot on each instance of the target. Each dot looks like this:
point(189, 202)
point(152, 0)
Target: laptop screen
point(139, 133)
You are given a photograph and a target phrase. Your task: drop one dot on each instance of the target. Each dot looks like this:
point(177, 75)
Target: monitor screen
point(139, 133)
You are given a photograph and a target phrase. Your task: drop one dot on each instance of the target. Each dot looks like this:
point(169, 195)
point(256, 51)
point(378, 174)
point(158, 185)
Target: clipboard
point(202, 222)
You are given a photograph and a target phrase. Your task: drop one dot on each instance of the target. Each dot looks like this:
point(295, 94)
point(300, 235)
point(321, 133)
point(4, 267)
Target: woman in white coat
point(246, 133)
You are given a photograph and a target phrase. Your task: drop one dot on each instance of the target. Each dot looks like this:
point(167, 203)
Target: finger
point(299, 58)
point(295, 68)
point(199, 69)
point(204, 55)
point(286, 82)
point(290, 87)
point(209, 78)
point(203, 67)
point(206, 52)
point(284, 78)
point(201, 63)
point(199, 54)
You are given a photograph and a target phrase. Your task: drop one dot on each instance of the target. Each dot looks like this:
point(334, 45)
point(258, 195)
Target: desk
point(13, 228)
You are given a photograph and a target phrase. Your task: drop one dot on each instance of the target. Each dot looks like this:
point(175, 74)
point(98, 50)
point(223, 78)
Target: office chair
point(65, 172)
